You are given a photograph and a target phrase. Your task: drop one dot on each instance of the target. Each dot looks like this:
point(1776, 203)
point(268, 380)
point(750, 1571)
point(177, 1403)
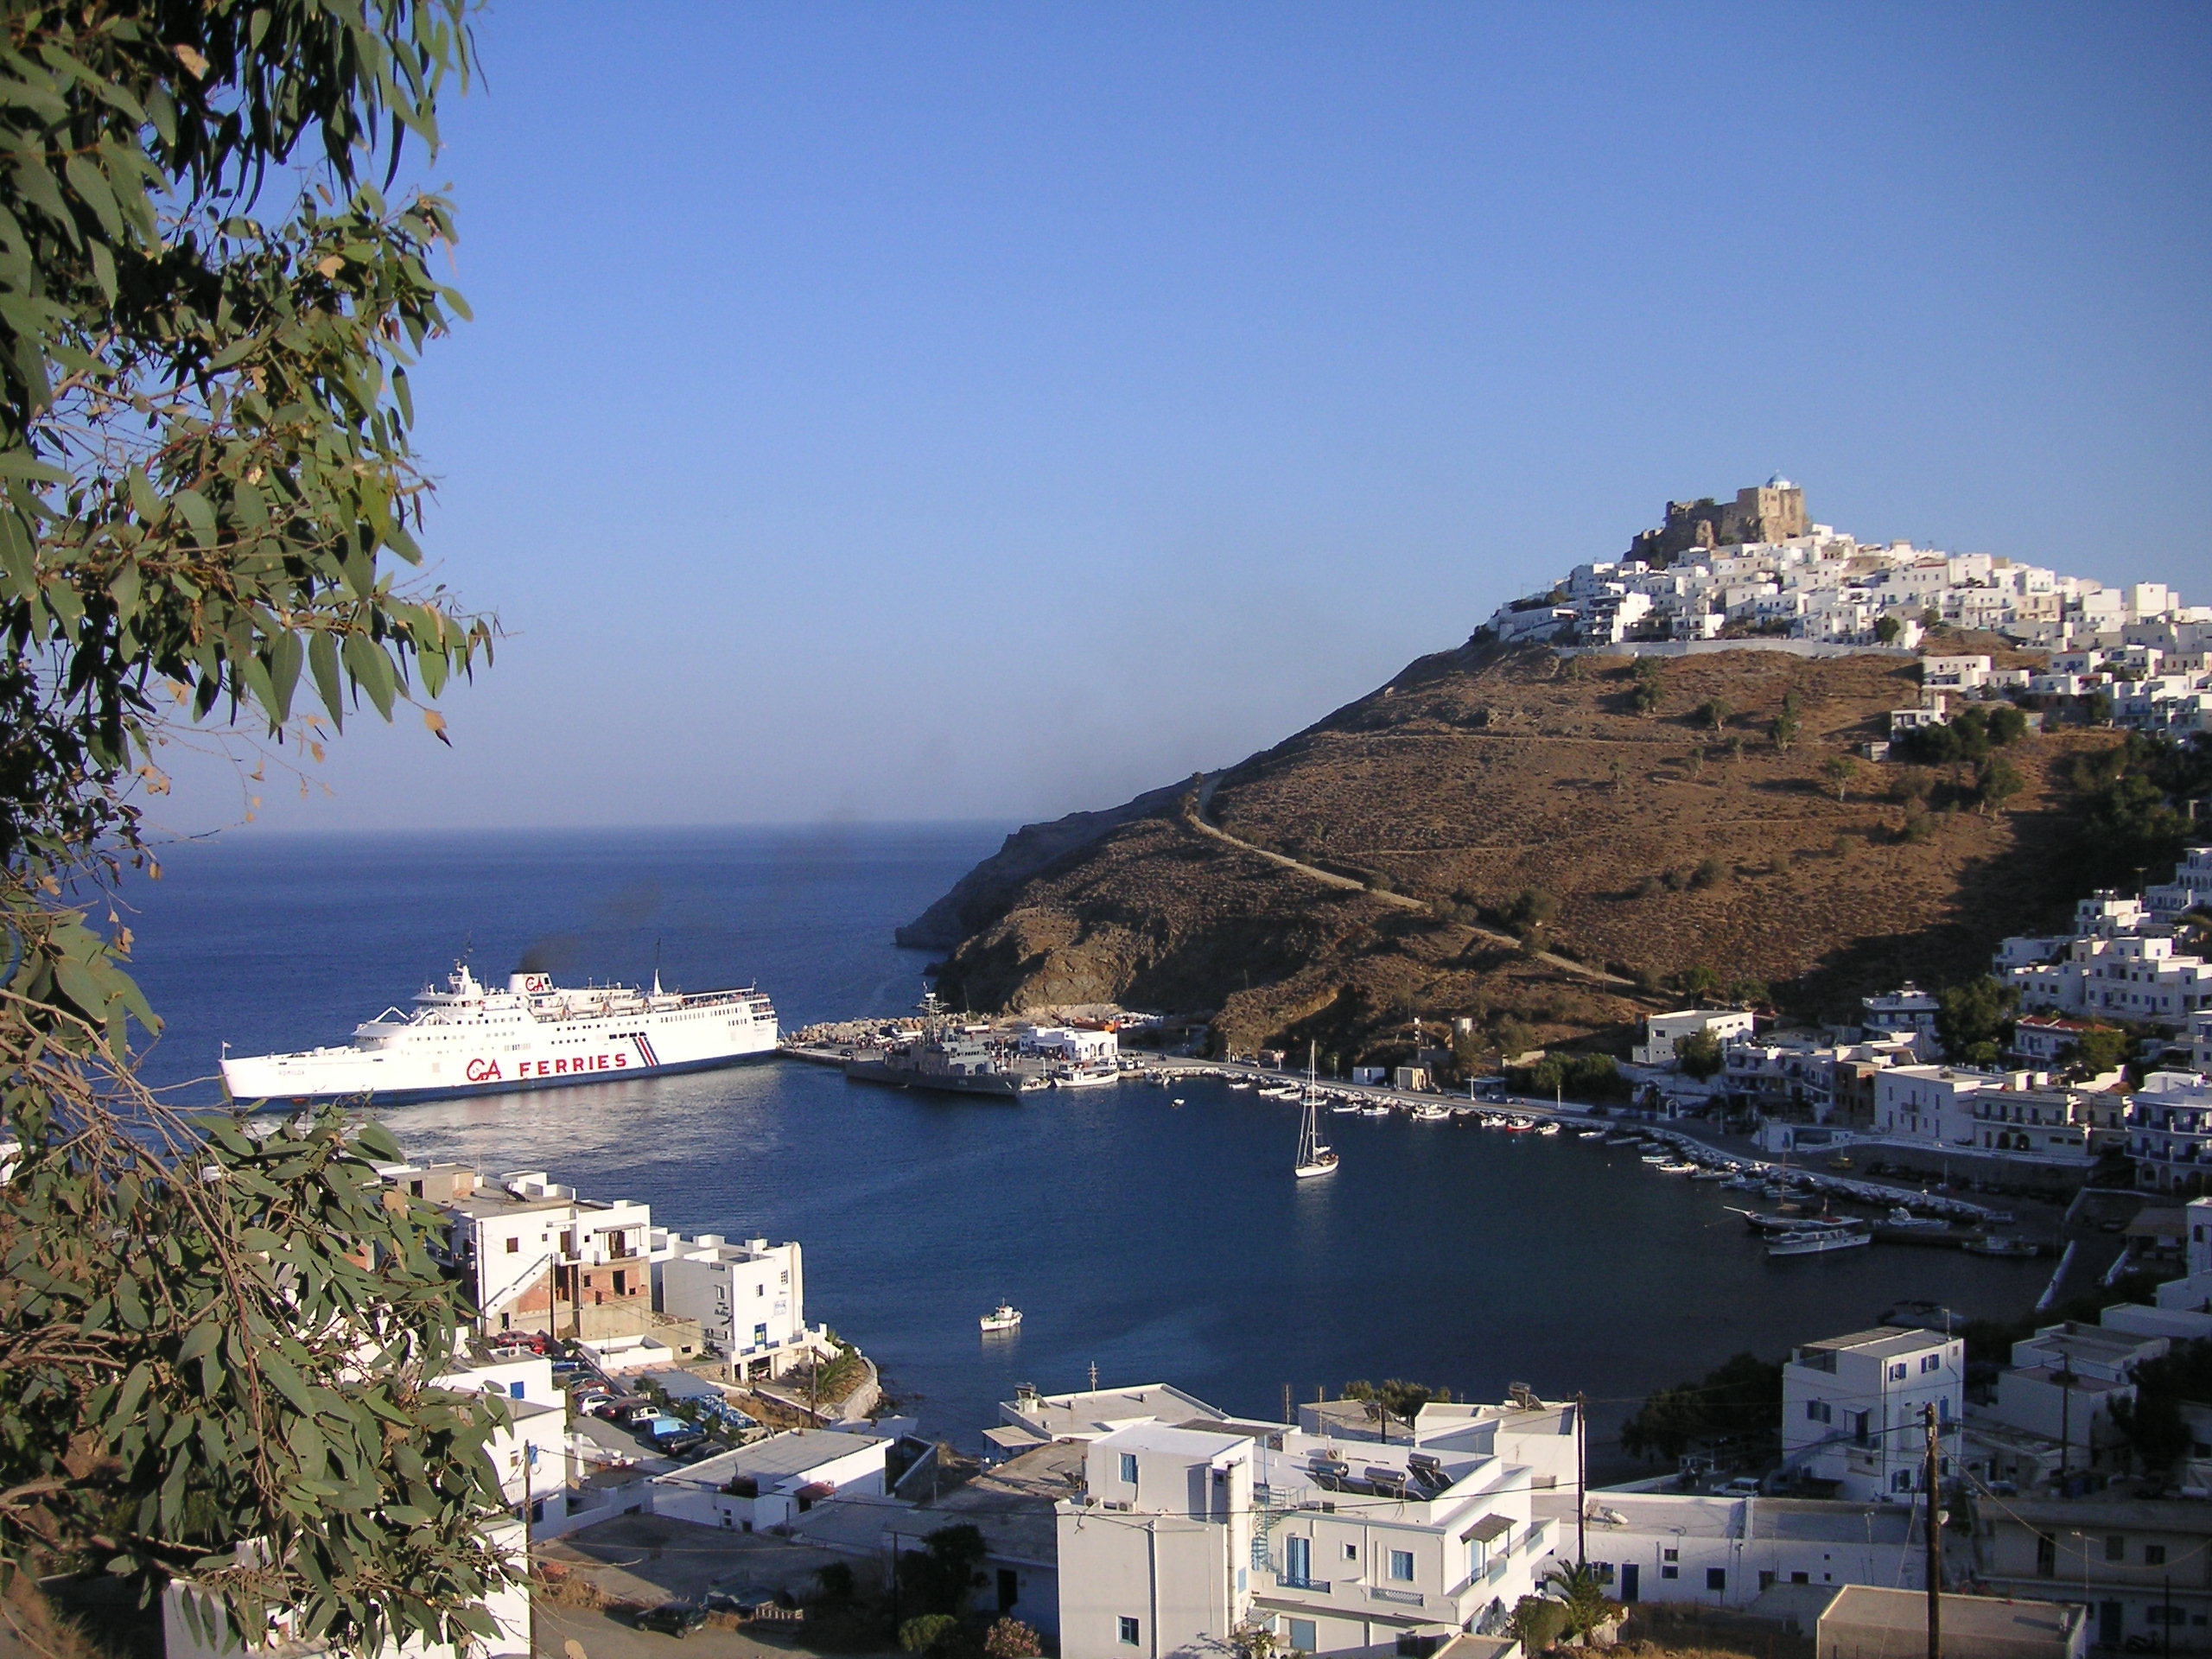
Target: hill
point(1378, 865)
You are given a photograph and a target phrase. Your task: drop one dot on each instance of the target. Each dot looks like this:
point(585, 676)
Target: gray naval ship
point(941, 1057)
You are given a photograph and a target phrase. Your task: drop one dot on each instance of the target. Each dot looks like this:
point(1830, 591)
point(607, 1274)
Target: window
point(1716, 1578)
point(2115, 1547)
point(1351, 1552)
point(1401, 1566)
point(2046, 1556)
point(1297, 1561)
point(514, 1247)
point(760, 1340)
point(1301, 1635)
point(1858, 1420)
point(1898, 1372)
point(1817, 1411)
point(2154, 1555)
point(1931, 1362)
point(1670, 1554)
point(1128, 1632)
point(1129, 1468)
point(1670, 1571)
point(514, 1392)
point(1801, 1577)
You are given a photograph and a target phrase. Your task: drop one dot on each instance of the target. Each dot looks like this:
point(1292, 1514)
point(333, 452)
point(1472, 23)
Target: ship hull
point(893, 1077)
point(374, 1096)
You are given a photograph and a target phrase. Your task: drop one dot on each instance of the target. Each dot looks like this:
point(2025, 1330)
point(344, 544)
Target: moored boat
point(467, 1038)
point(1816, 1241)
point(1005, 1316)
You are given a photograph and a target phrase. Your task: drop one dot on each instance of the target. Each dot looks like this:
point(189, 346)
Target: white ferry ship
point(469, 1040)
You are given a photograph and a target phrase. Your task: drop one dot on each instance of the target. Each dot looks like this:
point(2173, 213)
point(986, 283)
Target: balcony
point(1404, 1598)
point(1318, 1586)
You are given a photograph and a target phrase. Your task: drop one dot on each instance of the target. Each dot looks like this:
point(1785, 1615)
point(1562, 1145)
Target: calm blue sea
point(1157, 1241)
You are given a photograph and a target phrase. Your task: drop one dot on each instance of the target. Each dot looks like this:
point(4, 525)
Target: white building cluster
point(1823, 587)
point(538, 1258)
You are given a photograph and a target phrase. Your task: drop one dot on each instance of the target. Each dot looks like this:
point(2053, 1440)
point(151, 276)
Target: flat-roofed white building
point(1726, 1551)
point(1182, 1534)
point(773, 1482)
point(1663, 1033)
point(749, 1297)
point(533, 1255)
point(1854, 1408)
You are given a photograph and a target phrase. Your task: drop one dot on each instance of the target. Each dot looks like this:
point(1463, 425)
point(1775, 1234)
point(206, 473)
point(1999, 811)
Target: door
point(1297, 1560)
point(2112, 1625)
point(1009, 1590)
point(1629, 1570)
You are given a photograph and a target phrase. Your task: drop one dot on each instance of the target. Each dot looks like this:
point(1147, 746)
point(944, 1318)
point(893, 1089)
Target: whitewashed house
point(1664, 1033)
point(749, 1297)
point(1182, 1535)
point(1854, 1408)
point(772, 1482)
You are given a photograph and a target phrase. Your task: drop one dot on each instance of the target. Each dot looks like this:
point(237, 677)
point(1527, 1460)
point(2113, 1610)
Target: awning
point(1491, 1526)
point(816, 1490)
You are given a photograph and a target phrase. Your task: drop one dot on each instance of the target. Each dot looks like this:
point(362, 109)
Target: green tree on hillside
point(1887, 630)
point(1974, 1020)
point(1698, 1055)
point(1715, 712)
point(2099, 1050)
point(208, 504)
point(1839, 770)
point(1738, 1403)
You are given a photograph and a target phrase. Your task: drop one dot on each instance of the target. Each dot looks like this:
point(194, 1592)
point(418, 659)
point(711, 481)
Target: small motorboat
point(1590, 1134)
point(1681, 1167)
point(1816, 1241)
point(2011, 1248)
point(1710, 1175)
point(1005, 1316)
point(1901, 1217)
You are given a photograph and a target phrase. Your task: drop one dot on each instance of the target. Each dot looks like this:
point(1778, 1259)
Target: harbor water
point(1156, 1233)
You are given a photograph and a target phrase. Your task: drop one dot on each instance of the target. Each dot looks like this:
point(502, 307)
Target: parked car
point(1742, 1486)
point(676, 1619)
point(638, 1415)
point(592, 1399)
point(680, 1447)
point(615, 1409)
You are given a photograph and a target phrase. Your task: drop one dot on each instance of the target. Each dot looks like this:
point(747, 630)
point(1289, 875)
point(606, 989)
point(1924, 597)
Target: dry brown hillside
point(1663, 844)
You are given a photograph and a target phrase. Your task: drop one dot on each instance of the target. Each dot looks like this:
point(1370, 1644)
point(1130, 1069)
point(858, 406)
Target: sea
point(1146, 1234)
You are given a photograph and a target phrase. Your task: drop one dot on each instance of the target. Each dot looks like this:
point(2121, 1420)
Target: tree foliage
point(1737, 1404)
point(940, 1576)
point(1974, 1020)
point(1698, 1055)
point(2130, 799)
point(208, 501)
point(1575, 1587)
point(2151, 1422)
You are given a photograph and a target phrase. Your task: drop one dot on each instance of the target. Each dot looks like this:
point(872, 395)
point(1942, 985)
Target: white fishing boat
point(1005, 1316)
point(1901, 1217)
point(1088, 1074)
point(1816, 1241)
point(1347, 1108)
point(1429, 1113)
point(1314, 1157)
point(1679, 1167)
point(1590, 1134)
point(1547, 1128)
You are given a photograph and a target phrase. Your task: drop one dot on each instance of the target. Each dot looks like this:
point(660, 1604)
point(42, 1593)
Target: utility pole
point(1582, 1479)
point(1931, 1488)
point(1286, 1417)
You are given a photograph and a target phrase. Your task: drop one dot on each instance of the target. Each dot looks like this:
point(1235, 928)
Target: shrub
point(1710, 873)
point(1012, 1639)
point(928, 1633)
point(1537, 1623)
point(1529, 909)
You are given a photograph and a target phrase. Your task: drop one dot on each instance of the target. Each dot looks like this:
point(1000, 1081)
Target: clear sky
point(921, 411)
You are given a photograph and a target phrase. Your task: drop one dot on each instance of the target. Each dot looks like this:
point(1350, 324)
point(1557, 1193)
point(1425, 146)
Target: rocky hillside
point(1378, 865)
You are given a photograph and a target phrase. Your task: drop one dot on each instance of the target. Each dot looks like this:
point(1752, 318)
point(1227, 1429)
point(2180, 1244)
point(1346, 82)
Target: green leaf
point(322, 664)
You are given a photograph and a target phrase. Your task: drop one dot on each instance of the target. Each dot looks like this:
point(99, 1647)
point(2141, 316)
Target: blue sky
point(988, 411)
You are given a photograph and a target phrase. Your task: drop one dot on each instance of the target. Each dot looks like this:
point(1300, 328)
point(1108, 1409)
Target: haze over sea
point(1158, 1241)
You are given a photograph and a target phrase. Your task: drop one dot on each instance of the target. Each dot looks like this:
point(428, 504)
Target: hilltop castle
point(1774, 511)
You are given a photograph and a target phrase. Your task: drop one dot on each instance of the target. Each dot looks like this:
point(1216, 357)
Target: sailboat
point(1313, 1158)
